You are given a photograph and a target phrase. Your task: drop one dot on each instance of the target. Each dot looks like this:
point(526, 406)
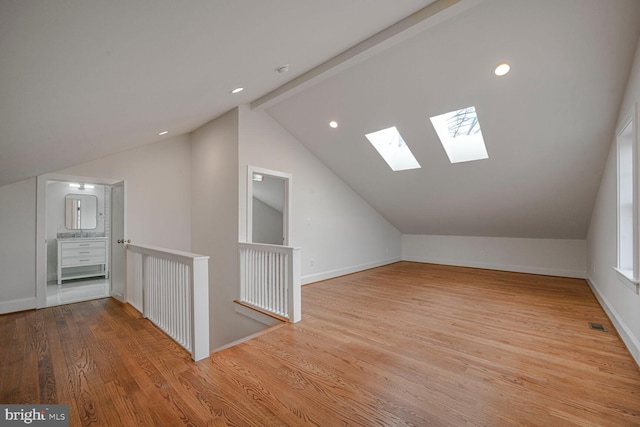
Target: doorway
point(76, 217)
point(268, 206)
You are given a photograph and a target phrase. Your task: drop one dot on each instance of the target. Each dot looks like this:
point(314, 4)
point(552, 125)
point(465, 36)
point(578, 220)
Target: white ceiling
point(547, 125)
point(82, 79)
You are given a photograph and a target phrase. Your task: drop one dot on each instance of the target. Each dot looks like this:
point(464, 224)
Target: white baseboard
point(247, 338)
point(316, 277)
point(255, 315)
point(632, 343)
point(17, 305)
point(502, 267)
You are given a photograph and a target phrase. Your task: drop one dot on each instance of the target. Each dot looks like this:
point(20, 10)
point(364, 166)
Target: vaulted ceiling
point(547, 125)
point(81, 80)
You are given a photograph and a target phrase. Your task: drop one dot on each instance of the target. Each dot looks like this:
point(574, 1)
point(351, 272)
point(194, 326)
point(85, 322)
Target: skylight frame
point(393, 149)
point(460, 134)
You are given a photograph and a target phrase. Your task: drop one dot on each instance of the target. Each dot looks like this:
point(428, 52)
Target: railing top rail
point(185, 257)
point(267, 247)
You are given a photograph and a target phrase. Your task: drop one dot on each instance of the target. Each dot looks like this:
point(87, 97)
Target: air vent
point(597, 326)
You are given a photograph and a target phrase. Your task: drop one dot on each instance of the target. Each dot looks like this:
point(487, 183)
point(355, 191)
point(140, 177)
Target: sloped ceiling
point(548, 124)
point(82, 79)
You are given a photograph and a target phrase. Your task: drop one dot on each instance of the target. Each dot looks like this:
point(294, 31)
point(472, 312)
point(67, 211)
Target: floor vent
point(598, 326)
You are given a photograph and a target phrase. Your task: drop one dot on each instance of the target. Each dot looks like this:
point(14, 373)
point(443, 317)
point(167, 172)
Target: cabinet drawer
point(87, 260)
point(82, 252)
point(83, 245)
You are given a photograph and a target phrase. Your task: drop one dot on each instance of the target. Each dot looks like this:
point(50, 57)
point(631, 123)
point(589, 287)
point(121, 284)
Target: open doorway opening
point(268, 206)
point(78, 223)
point(76, 220)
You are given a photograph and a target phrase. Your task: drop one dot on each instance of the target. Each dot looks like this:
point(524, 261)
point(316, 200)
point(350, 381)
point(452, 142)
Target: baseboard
point(250, 337)
point(17, 305)
point(501, 267)
point(255, 315)
point(630, 341)
point(317, 277)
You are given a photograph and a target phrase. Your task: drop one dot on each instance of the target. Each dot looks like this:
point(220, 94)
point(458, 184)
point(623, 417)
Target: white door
point(117, 238)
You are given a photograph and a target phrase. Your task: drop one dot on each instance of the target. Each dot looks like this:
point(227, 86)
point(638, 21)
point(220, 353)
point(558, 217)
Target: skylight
point(460, 135)
point(393, 149)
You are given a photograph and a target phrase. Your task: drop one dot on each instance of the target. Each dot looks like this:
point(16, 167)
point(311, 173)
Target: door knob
point(123, 241)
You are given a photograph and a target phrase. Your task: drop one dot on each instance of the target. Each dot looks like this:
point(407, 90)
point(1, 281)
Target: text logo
point(37, 415)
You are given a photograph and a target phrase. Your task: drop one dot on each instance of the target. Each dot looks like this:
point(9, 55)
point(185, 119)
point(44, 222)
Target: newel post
point(294, 295)
point(200, 308)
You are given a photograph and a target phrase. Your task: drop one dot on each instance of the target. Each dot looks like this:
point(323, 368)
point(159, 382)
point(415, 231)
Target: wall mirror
point(81, 212)
point(267, 206)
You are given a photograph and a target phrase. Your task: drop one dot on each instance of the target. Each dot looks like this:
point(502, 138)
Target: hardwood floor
point(406, 344)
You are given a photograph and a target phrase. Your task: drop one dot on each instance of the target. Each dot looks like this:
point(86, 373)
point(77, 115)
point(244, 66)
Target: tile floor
point(76, 290)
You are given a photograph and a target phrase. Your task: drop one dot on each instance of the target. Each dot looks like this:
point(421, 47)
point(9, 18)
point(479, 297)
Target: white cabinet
point(76, 253)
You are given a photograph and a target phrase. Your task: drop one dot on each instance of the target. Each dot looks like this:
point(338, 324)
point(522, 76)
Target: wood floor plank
point(405, 344)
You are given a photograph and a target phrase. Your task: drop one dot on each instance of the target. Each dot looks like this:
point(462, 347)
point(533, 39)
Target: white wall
point(214, 218)
point(158, 211)
point(539, 256)
point(17, 246)
point(267, 224)
point(338, 231)
point(158, 185)
point(621, 302)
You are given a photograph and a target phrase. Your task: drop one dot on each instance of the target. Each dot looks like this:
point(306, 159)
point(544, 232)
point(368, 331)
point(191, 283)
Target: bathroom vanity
point(82, 252)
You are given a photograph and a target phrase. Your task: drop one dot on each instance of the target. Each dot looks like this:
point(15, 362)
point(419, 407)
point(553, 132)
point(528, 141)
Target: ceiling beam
point(427, 17)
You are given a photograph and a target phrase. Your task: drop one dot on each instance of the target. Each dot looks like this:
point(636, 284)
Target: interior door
point(117, 240)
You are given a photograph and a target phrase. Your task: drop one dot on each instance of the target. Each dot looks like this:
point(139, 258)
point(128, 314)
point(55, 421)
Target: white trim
point(547, 271)
point(627, 280)
point(630, 341)
point(249, 337)
point(630, 120)
point(255, 315)
point(17, 305)
point(76, 178)
point(316, 277)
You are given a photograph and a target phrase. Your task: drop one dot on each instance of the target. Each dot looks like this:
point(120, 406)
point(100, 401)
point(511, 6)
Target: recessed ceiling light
point(283, 68)
point(164, 132)
point(333, 124)
point(501, 69)
point(237, 90)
